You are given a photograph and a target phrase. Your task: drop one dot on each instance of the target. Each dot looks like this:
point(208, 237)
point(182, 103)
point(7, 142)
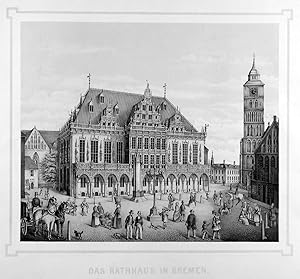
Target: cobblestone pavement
point(232, 230)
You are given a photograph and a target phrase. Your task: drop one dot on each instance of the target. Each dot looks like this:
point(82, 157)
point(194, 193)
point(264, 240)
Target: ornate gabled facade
point(264, 184)
point(253, 123)
point(113, 138)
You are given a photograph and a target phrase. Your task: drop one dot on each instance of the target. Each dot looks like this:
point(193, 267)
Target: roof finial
point(89, 77)
point(165, 90)
point(147, 83)
point(253, 64)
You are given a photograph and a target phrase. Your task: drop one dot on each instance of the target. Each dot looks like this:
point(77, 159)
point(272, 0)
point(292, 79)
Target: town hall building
point(112, 141)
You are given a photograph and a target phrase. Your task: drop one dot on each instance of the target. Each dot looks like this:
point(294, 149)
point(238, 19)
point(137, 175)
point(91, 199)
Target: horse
point(60, 218)
point(239, 197)
point(45, 216)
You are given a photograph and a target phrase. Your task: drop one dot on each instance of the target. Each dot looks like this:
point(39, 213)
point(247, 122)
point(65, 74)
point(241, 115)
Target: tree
point(49, 168)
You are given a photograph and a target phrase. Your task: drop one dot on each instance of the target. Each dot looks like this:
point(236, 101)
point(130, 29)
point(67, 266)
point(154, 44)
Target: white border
point(15, 246)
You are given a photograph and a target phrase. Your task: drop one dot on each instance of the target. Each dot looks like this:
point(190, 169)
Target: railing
point(93, 126)
point(106, 166)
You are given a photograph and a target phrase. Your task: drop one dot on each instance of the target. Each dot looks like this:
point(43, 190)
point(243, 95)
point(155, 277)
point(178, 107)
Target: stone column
point(118, 188)
point(152, 186)
point(137, 187)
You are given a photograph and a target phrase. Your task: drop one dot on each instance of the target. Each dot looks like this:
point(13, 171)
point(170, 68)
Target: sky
point(204, 66)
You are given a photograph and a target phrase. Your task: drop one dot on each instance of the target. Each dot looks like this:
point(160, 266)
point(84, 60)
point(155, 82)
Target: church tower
point(253, 122)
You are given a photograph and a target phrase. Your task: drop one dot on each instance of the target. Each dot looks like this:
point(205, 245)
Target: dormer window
point(101, 99)
point(116, 109)
point(91, 106)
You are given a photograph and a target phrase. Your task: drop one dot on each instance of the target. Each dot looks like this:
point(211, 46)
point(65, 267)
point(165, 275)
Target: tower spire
point(253, 63)
point(165, 90)
point(89, 78)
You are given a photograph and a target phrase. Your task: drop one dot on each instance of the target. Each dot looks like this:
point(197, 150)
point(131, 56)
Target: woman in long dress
point(256, 215)
point(95, 217)
point(117, 219)
point(176, 215)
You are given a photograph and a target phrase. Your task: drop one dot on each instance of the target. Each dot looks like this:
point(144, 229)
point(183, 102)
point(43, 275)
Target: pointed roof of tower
point(254, 76)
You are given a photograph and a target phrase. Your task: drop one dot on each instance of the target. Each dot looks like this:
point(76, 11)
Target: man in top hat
point(139, 226)
point(129, 221)
point(191, 224)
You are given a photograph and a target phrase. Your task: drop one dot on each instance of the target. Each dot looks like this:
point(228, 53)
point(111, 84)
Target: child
point(204, 230)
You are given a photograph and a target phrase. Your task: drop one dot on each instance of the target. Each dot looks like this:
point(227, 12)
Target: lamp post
point(154, 175)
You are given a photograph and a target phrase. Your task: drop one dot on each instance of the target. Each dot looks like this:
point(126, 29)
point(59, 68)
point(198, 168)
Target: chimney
point(224, 162)
point(274, 118)
point(234, 163)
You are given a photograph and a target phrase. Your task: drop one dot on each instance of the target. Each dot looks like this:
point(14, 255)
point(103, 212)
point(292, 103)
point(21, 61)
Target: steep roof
point(125, 103)
point(275, 123)
point(49, 136)
point(30, 164)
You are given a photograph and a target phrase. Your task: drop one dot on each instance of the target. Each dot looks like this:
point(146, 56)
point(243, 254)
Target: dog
point(117, 235)
point(78, 235)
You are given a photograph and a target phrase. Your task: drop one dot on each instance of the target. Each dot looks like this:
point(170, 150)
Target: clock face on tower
point(253, 91)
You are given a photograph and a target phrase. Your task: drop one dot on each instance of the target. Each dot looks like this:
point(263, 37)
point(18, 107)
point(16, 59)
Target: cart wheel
point(23, 226)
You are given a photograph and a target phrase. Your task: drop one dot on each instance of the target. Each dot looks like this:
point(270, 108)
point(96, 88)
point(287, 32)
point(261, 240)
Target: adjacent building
point(224, 173)
point(253, 123)
point(114, 140)
point(38, 143)
point(264, 185)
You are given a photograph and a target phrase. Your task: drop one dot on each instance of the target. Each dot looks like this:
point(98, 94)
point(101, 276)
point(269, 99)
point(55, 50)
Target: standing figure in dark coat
point(176, 214)
point(139, 226)
point(191, 224)
point(164, 217)
point(182, 212)
point(129, 221)
point(117, 219)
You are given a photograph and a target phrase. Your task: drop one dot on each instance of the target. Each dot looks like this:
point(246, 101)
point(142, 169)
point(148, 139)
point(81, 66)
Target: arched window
point(256, 103)
point(260, 165)
point(248, 146)
point(253, 145)
point(269, 144)
point(250, 104)
point(35, 140)
point(83, 181)
point(267, 169)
